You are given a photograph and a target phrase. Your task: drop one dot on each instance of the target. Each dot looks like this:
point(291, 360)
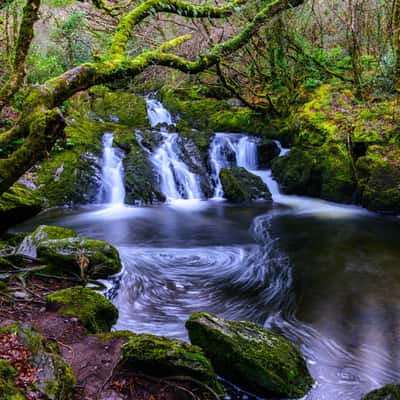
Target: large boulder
point(17, 204)
point(388, 392)
point(54, 377)
point(96, 313)
point(251, 357)
point(379, 179)
point(163, 357)
point(80, 256)
point(239, 185)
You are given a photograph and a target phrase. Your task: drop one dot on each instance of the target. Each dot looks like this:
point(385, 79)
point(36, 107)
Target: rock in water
point(251, 357)
point(99, 259)
point(241, 186)
point(388, 392)
point(163, 357)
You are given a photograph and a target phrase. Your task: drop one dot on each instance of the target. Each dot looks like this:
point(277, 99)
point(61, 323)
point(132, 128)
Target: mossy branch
point(41, 122)
point(151, 7)
point(25, 36)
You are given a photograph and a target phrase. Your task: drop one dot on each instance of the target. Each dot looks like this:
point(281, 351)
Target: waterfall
point(112, 189)
point(228, 150)
point(176, 180)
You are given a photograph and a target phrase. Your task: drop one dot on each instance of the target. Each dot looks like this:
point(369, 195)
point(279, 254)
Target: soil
point(94, 360)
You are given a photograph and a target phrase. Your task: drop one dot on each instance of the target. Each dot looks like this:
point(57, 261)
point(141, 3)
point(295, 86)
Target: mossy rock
point(96, 313)
point(298, 172)
point(71, 174)
point(68, 255)
point(267, 150)
point(41, 234)
point(379, 179)
point(251, 357)
point(8, 390)
point(388, 392)
point(163, 357)
point(239, 185)
point(119, 106)
point(337, 176)
point(18, 204)
point(56, 380)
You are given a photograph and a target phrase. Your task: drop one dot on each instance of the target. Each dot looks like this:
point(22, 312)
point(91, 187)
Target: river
point(324, 275)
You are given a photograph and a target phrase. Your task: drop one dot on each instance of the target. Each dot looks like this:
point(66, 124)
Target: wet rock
point(80, 256)
point(239, 185)
point(267, 150)
point(41, 234)
point(388, 392)
point(251, 357)
point(96, 313)
point(159, 356)
point(18, 204)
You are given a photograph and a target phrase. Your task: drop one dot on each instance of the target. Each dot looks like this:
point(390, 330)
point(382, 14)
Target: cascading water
point(113, 188)
point(177, 181)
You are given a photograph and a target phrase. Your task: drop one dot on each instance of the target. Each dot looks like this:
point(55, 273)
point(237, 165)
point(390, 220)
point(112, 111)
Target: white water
point(113, 189)
point(230, 149)
point(177, 182)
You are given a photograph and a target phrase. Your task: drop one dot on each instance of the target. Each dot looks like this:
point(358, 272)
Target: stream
point(324, 275)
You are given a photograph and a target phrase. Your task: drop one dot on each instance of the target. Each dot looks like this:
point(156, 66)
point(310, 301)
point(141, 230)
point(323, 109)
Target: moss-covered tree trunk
point(41, 121)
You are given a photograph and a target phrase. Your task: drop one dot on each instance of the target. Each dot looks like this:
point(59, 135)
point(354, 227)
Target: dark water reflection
point(331, 283)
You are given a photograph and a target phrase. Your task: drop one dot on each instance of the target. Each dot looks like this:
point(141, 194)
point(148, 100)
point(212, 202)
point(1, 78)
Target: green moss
point(45, 232)
point(64, 256)
point(388, 392)
point(96, 313)
point(8, 390)
point(129, 108)
point(251, 357)
point(379, 179)
point(239, 185)
point(17, 204)
point(55, 377)
point(164, 357)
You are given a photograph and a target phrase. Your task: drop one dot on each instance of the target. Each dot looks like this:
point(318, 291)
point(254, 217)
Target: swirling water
point(326, 276)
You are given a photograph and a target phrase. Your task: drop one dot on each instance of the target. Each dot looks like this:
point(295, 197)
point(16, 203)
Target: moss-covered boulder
point(251, 357)
point(54, 377)
point(239, 185)
point(267, 150)
point(388, 392)
point(17, 204)
point(80, 256)
point(162, 357)
point(41, 234)
point(324, 172)
point(379, 179)
point(96, 313)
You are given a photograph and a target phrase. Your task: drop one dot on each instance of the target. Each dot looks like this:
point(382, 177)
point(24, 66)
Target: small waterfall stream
point(177, 181)
point(113, 189)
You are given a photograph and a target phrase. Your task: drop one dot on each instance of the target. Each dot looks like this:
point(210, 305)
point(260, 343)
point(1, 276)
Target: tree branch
point(25, 36)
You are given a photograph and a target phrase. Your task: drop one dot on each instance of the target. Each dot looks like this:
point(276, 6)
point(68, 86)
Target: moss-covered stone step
point(96, 313)
point(239, 185)
point(163, 357)
point(251, 357)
